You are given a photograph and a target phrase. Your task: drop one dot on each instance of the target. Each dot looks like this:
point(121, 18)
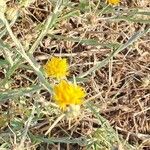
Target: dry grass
point(108, 49)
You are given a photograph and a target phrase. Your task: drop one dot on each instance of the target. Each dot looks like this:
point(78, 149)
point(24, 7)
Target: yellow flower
point(68, 94)
point(56, 68)
point(113, 2)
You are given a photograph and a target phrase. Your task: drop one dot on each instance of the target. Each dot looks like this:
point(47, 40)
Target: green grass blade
point(91, 42)
point(52, 19)
point(3, 62)
point(106, 130)
point(101, 64)
point(10, 72)
point(18, 92)
point(66, 140)
point(28, 58)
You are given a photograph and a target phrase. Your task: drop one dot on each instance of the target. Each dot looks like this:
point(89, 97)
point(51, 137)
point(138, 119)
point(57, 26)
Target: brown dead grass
point(121, 89)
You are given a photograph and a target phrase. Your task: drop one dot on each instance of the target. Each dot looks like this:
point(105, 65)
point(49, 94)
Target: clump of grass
point(102, 47)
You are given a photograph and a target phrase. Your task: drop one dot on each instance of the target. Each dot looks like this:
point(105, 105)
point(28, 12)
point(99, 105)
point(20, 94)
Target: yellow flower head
point(113, 2)
point(68, 94)
point(57, 67)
